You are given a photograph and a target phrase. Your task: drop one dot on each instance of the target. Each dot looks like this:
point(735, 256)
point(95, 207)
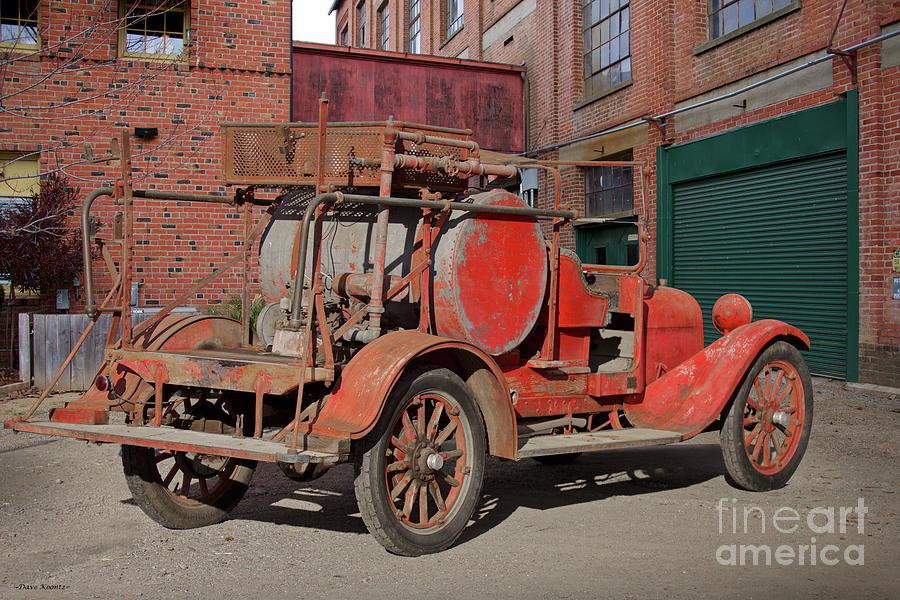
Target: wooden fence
point(46, 340)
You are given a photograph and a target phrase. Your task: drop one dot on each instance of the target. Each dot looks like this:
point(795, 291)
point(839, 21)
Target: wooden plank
point(40, 351)
point(54, 354)
point(175, 439)
point(77, 324)
point(98, 343)
point(25, 347)
point(542, 445)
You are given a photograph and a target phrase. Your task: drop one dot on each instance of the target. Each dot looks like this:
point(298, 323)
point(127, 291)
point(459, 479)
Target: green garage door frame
point(811, 140)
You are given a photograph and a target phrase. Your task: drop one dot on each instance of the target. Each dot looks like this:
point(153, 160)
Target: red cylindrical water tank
point(490, 275)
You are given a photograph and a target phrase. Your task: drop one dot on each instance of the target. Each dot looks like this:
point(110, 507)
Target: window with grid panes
point(361, 19)
point(454, 17)
point(345, 36)
point(383, 30)
point(413, 47)
point(727, 15)
point(18, 23)
point(608, 191)
point(607, 45)
point(154, 29)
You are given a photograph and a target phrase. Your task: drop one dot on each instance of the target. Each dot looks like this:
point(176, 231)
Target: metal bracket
point(244, 195)
point(849, 58)
point(662, 124)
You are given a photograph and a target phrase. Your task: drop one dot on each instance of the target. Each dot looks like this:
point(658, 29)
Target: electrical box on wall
point(62, 299)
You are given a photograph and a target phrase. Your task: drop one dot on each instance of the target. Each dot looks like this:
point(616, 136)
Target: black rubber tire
point(171, 511)
point(371, 482)
point(742, 471)
point(557, 459)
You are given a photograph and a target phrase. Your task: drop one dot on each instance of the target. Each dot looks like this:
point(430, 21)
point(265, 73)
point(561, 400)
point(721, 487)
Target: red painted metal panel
point(578, 306)
point(367, 85)
point(674, 326)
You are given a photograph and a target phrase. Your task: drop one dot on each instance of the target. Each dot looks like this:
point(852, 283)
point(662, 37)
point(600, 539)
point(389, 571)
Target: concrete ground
point(643, 523)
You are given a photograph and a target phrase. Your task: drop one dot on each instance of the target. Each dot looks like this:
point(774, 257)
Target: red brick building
point(73, 73)
point(771, 129)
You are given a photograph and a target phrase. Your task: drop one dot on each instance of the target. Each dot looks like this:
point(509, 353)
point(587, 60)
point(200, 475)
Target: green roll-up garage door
point(777, 234)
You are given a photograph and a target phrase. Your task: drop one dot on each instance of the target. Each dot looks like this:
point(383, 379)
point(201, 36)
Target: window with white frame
point(607, 45)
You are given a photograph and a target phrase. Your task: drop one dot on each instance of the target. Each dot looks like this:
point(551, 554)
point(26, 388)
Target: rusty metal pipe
point(421, 138)
point(86, 244)
point(398, 124)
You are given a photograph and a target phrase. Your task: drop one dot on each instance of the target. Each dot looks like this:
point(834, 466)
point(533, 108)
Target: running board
point(542, 445)
point(179, 440)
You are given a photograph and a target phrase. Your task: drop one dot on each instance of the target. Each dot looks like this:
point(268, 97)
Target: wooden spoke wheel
point(767, 429)
point(419, 479)
point(183, 490)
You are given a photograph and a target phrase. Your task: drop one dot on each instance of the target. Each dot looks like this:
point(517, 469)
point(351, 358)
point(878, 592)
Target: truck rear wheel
point(767, 429)
point(419, 475)
point(182, 490)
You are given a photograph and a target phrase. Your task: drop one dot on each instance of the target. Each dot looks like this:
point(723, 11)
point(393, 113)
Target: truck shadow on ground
point(329, 503)
point(589, 478)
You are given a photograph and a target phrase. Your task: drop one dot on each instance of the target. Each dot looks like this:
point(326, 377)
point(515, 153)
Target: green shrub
point(231, 308)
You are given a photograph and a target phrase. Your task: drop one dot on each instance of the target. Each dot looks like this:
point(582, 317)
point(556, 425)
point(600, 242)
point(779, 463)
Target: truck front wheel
point(767, 428)
point(419, 474)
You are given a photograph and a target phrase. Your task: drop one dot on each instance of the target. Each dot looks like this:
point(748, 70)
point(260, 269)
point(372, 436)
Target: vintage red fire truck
point(413, 326)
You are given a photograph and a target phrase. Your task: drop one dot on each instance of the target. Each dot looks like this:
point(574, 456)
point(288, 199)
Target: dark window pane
point(175, 22)
point(156, 23)
point(631, 254)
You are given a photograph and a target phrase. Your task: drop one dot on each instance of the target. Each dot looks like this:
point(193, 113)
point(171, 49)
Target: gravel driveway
point(642, 523)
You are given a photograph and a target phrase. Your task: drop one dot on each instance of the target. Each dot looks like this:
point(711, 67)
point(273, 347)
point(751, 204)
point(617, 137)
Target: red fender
point(689, 397)
point(364, 385)
point(173, 332)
